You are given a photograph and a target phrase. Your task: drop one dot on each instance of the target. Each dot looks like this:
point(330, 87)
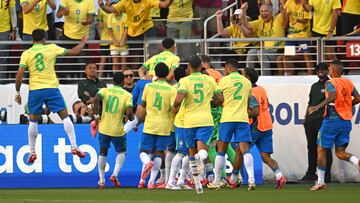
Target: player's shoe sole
point(280, 183)
point(32, 158)
point(147, 170)
point(216, 186)
point(199, 190)
point(115, 181)
point(77, 152)
point(318, 186)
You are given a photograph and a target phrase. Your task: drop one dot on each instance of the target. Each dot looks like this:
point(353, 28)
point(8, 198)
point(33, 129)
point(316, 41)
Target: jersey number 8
point(39, 64)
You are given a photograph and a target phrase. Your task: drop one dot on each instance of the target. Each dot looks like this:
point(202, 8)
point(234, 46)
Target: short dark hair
point(118, 78)
point(251, 74)
point(321, 66)
point(195, 61)
point(161, 70)
point(179, 73)
point(205, 59)
point(38, 35)
point(167, 43)
point(89, 63)
point(337, 62)
point(233, 63)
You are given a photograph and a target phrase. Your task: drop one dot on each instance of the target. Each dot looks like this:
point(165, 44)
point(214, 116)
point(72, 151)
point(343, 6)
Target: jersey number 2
point(238, 86)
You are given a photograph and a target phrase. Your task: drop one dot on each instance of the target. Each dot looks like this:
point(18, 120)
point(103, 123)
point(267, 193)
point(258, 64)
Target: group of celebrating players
point(188, 126)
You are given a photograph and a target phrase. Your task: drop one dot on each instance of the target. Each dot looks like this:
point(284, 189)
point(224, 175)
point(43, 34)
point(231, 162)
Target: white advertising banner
point(288, 97)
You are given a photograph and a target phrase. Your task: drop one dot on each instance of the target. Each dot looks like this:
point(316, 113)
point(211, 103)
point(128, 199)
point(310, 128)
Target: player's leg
point(233, 180)
point(104, 143)
point(147, 145)
point(203, 137)
point(120, 148)
point(160, 147)
point(170, 154)
point(184, 172)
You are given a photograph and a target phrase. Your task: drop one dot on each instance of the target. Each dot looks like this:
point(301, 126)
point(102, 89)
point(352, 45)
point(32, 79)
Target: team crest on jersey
point(77, 12)
point(37, 7)
point(117, 27)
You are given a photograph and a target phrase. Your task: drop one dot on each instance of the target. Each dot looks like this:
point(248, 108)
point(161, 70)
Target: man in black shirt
point(88, 88)
point(313, 123)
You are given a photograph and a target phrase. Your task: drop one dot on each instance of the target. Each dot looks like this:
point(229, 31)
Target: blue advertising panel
point(56, 167)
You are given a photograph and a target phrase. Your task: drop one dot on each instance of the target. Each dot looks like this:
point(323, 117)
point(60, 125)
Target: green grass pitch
point(337, 193)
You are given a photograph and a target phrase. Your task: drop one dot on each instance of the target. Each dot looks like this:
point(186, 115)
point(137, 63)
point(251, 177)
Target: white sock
point(175, 167)
point(184, 171)
point(203, 154)
point(70, 131)
point(278, 174)
point(168, 164)
point(220, 163)
point(249, 165)
point(354, 160)
point(155, 169)
point(101, 166)
point(195, 173)
point(144, 157)
point(142, 169)
point(32, 134)
point(162, 174)
point(234, 177)
point(321, 175)
point(209, 169)
point(120, 158)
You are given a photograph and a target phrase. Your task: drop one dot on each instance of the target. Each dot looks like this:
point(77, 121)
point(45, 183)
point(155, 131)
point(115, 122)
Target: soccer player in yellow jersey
point(298, 20)
point(167, 56)
point(138, 12)
point(8, 25)
point(197, 92)
point(40, 60)
point(34, 16)
point(157, 100)
point(234, 123)
point(179, 20)
point(117, 102)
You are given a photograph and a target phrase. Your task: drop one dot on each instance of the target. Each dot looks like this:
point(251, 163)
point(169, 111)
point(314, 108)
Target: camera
point(3, 114)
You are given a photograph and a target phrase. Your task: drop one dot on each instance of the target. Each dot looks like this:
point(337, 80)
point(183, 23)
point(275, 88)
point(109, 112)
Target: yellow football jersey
point(159, 97)
point(115, 101)
point(103, 18)
point(352, 7)
point(296, 29)
point(199, 89)
point(323, 14)
point(5, 24)
point(236, 89)
point(78, 12)
point(40, 61)
point(235, 32)
point(171, 60)
point(36, 19)
point(274, 28)
point(139, 18)
point(117, 26)
point(180, 9)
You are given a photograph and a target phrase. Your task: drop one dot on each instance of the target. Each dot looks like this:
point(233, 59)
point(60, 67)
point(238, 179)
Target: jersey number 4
point(158, 101)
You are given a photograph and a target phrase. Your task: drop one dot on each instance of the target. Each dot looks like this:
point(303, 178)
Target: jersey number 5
point(158, 101)
point(39, 63)
point(112, 104)
point(198, 90)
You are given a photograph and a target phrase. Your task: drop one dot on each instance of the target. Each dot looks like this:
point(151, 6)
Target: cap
point(238, 12)
point(321, 66)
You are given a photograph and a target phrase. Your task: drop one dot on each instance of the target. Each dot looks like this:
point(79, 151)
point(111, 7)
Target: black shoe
point(309, 177)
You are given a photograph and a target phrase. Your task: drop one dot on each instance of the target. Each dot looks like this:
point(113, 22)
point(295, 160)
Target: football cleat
point(147, 169)
point(141, 185)
point(101, 185)
point(94, 127)
point(32, 158)
point(77, 152)
point(186, 187)
point(204, 182)
point(151, 186)
point(199, 190)
point(216, 186)
point(230, 184)
point(251, 186)
point(115, 181)
point(160, 186)
point(280, 183)
point(171, 186)
point(318, 186)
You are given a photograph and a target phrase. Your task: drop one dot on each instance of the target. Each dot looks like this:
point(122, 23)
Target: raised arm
point(28, 7)
point(77, 49)
point(219, 25)
point(106, 7)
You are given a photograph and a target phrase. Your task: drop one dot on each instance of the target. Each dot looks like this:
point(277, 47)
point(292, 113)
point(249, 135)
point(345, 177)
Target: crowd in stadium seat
point(69, 20)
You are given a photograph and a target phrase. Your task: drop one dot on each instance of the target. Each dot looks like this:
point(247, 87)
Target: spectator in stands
point(58, 22)
point(203, 10)
point(80, 109)
point(265, 26)
point(34, 16)
point(179, 25)
point(78, 16)
point(235, 30)
point(350, 16)
point(325, 18)
point(129, 80)
point(8, 26)
point(206, 63)
point(88, 88)
point(313, 122)
point(102, 25)
point(298, 21)
point(118, 29)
